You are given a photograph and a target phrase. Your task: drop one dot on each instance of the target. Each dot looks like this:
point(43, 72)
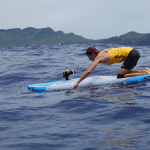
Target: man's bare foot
point(147, 70)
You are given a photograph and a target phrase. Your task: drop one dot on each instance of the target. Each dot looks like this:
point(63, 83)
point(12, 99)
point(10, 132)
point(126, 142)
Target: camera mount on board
point(68, 73)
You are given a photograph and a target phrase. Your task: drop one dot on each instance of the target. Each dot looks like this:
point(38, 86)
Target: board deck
point(89, 81)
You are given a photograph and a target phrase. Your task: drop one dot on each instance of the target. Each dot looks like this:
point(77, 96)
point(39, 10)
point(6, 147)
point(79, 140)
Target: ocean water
point(108, 117)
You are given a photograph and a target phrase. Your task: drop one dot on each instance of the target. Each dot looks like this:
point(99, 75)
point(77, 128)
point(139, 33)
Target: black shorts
point(131, 60)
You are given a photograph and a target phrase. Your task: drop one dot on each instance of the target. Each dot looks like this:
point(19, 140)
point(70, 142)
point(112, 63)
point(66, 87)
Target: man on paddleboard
point(127, 55)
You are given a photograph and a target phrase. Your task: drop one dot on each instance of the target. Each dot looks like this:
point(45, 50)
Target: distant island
point(31, 36)
point(130, 38)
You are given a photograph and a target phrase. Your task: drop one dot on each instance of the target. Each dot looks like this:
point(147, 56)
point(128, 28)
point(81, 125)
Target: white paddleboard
point(89, 81)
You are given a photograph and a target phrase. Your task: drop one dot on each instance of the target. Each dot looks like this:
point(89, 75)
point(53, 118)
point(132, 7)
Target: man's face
point(91, 57)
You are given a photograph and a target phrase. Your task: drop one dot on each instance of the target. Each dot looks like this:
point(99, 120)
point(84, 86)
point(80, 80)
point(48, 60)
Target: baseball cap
point(91, 50)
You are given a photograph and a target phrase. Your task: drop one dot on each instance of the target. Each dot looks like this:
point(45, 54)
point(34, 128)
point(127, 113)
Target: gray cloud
point(93, 19)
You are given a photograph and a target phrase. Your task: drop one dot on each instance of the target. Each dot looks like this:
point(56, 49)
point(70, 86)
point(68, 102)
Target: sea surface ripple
point(108, 117)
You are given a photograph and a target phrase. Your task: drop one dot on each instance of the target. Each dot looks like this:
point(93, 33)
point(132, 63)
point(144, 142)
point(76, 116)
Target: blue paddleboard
point(89, 81)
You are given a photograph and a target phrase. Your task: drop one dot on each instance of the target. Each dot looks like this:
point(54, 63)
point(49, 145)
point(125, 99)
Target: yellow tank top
point(117, 55)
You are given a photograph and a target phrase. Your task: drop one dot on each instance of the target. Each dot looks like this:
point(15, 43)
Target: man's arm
point(100, 58)
point(85, 74)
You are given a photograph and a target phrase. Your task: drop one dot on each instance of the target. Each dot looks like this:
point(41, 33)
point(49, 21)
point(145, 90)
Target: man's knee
point(120, 76)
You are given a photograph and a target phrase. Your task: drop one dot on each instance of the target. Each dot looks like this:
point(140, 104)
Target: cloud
point(93, 19)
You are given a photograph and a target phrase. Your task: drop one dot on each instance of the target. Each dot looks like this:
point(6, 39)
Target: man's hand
point(75, 85)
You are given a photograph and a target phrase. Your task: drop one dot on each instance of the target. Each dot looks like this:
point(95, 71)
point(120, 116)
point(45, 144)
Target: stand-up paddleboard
point(89, 81)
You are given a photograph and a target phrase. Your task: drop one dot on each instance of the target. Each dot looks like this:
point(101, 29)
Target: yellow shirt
point(117, 55)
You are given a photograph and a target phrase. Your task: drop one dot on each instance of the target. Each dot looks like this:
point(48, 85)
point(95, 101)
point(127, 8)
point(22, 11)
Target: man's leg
point(132, 73)
point(130, 62)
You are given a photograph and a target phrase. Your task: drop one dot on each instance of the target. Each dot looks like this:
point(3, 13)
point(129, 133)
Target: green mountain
point(31, 36)
point(130, 38)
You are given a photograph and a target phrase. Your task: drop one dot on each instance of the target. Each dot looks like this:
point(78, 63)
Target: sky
point(91, 19)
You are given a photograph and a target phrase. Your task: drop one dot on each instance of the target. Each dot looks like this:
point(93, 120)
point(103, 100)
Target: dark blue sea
point(108, 117)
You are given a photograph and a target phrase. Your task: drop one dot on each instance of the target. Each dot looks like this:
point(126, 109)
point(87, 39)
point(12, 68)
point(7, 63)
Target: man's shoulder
point(103, 53)
point(103, 57)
